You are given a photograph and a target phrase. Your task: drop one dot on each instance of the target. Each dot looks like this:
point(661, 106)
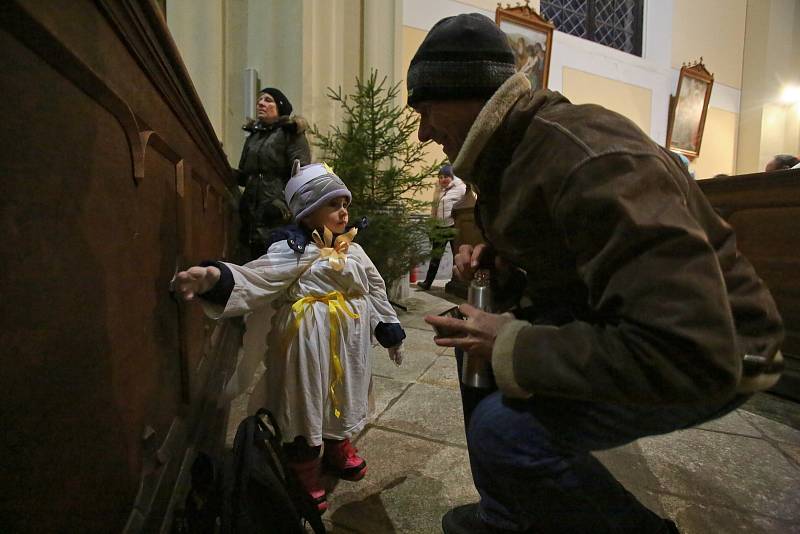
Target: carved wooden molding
point(142, 28)
point(135, 23)
point(18, 22)
point(151, 138)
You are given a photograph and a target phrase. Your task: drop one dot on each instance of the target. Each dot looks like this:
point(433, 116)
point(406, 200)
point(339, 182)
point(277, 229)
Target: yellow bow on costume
point(334, 251)
point(336, 304)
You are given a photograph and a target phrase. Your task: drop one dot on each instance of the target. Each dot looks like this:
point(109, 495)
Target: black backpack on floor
point(254, 493)
point(260, 493)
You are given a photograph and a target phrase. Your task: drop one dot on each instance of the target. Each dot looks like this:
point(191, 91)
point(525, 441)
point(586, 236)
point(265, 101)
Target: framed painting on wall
point(531, 39)
point(688, 108)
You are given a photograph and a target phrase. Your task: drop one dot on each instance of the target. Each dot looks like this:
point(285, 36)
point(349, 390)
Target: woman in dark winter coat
point(276, 139)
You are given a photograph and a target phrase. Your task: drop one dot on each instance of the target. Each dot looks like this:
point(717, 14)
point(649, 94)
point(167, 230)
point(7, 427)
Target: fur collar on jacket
point(294, 124)
point(487, 121)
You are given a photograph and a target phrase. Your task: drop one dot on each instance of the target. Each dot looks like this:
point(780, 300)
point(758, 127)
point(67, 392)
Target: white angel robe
point(298, 361)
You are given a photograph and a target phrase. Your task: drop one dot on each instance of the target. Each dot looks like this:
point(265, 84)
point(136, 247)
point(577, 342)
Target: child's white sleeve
point(382, 310)
point(260, 281)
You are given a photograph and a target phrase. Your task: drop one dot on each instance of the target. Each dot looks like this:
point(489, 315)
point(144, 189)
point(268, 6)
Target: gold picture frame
point(531, 39)
point(688, 109)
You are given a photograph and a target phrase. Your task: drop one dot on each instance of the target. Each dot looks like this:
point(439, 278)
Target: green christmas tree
point(375, 152)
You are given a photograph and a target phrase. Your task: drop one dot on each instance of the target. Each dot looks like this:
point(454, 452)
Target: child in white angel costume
point(325, 301)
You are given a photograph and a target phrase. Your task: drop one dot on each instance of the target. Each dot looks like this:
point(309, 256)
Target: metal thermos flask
point(477, 372)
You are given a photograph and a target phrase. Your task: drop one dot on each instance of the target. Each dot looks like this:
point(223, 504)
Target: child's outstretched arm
point(229, 290)
point(196, 280)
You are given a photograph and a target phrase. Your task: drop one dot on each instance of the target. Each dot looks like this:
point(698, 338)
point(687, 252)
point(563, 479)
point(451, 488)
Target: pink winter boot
point(340, 458)
point(309, 474)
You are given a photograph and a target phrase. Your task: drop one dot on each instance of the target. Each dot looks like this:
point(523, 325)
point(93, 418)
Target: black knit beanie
point(283, 104)
point(466, 56)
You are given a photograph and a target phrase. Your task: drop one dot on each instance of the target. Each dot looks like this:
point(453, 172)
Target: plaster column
point(198, 30)
point(275, 46)
point(383, 45)
point(236, 22)
point(331, 55)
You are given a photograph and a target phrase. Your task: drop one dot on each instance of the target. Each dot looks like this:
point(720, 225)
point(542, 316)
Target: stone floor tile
point(773, 429)
point(719, 469)
point(697, 518)
point(417, 322)
point(410, 484)
point(446, 351)
point(420, 340)
point(419, 353)
point(419, 305)
point(427, 411)
point(629, 466)
point(442, 373)
point(437, 290)
point(650, 499)
point(331, 528)
point(774, 407)
point(422, 303)
point(733, 423)
point(792, 451)
point(384, 392)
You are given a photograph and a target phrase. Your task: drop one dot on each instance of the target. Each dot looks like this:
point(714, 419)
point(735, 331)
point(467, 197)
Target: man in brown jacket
point(639, 315)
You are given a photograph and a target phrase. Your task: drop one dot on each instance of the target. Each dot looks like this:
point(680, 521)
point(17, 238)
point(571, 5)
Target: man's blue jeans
point(532, 466)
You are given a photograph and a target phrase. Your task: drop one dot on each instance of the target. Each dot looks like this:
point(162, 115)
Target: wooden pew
point(112, 179)
point(764, 209)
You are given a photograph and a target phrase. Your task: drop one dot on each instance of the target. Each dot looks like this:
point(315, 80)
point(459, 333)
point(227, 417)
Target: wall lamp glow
point(791, 94)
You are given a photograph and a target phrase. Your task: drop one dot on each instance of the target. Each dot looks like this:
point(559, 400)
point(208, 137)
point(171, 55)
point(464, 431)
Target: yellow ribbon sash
point(334, 251)
point(337, 304)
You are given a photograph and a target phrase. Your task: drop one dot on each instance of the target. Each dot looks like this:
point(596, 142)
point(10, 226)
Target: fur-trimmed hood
point(294, 124)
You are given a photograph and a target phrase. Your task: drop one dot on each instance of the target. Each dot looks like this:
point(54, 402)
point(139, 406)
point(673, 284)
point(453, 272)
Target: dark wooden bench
point(764, 209)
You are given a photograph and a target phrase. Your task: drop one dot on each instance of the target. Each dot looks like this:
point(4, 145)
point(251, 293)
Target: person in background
point(449, 193)
point(276, 139)
point(781, 162)
point(329, 301)
point(685, 162)
point(639, 316)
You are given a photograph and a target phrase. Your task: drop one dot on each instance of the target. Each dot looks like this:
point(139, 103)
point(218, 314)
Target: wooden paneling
point(112, 179)
point(764, 209)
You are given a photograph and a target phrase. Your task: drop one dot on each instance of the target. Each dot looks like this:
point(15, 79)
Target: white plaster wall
point(771, 59)
point(652, 72)
point(713, 29)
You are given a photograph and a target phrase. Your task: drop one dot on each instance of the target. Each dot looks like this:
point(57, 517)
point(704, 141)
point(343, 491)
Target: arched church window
point(614, 23)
